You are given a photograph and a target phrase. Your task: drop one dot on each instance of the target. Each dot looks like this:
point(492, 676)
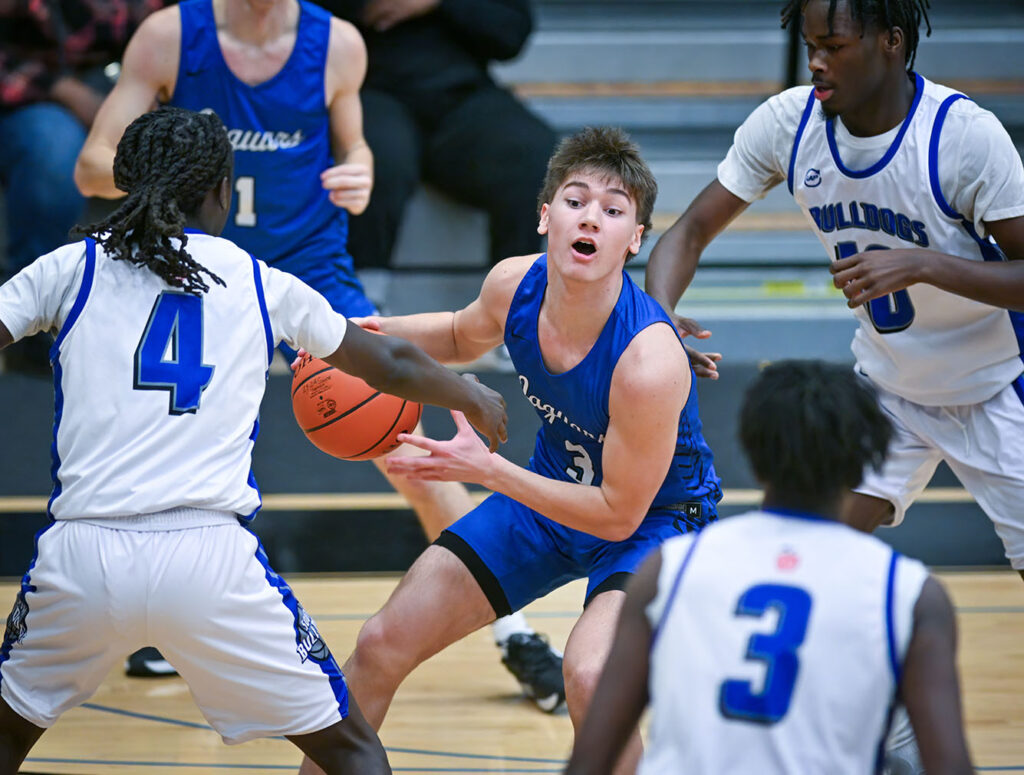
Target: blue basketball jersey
point(280, 133)
point(573, 406)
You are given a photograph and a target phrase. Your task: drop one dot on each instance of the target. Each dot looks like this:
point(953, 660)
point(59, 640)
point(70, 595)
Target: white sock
point(507, 626)
point(902, 756)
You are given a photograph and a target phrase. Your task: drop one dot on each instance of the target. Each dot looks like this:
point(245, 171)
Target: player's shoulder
point(345, 40)
point(504, 277)
point(788, 106)
point(161, 27)
point(962, 115)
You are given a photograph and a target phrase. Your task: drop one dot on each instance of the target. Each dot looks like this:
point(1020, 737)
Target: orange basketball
point(344, 416)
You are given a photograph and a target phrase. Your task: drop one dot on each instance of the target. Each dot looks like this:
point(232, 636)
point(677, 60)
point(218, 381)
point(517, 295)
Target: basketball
point(345, 417)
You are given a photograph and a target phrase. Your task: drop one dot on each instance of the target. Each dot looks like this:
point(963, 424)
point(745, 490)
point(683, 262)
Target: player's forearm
point(582, 507)
point(433, 332)
point(94, 172)
point(998, 283)
point(358, 154)
point(673, 263)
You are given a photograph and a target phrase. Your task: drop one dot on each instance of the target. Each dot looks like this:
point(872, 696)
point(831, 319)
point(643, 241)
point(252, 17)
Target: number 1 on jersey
point(245, 215)
point(170, 353)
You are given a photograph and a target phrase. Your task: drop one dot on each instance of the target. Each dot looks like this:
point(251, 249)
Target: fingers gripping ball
point(344, 416)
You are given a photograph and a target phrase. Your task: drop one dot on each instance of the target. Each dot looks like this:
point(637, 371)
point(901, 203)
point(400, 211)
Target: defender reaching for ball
point(165, 336)
point(620, 463)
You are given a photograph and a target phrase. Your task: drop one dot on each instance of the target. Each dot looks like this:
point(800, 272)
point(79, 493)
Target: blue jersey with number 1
point(280, 132)
point(573, 406)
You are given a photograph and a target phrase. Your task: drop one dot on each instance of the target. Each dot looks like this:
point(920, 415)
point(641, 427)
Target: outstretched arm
point(674, 258)
point(621, 694)
point(148, 74)
point(931, 689)
point(876, 273)
point(465, 335)
point(395, 366)
point(649, 389)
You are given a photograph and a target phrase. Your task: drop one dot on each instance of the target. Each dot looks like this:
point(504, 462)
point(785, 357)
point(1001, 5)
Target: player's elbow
point(622, 527)
point(88, 179)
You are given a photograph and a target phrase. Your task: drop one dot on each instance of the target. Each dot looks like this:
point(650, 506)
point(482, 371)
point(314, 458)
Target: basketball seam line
point(386, 433)
point(346, 413)
point(307, 379)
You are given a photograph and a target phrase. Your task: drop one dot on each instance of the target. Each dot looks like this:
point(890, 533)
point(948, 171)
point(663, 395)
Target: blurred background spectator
point(433, 113)
point(57, 62)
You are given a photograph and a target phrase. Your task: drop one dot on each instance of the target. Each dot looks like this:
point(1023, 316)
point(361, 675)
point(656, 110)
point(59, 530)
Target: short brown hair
point(604, 151)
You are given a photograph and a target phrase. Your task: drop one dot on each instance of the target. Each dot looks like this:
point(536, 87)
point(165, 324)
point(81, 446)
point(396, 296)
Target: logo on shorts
point(16, 627)
point(813, 178)
point(310, 644)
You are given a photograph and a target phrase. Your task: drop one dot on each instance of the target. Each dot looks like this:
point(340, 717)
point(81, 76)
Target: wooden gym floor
point(462, 713)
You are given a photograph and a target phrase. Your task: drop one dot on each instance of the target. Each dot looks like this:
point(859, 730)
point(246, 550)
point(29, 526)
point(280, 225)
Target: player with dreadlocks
point(917, 195)
point(159, 377)
point(166, 174)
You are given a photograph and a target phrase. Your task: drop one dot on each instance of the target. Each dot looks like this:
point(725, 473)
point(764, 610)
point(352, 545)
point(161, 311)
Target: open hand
point(875, 273)
point(348, 186)
point(463, 458)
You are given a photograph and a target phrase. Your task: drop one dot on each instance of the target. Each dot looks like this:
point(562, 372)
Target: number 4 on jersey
point(170, 354)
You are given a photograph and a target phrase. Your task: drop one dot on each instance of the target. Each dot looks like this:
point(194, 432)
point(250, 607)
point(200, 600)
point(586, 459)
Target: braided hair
point(905, 14)
point(810, 428)
point(167, 161)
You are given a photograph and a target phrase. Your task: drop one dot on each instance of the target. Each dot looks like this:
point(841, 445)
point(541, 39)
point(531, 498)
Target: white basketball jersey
point(924, 344)
point(778, 643)
point(158, 390)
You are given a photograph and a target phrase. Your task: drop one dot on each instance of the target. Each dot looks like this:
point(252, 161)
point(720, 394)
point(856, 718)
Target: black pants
point(487, 151)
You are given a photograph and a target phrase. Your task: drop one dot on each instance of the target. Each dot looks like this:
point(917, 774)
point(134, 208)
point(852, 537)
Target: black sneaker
point(537, 667)
point(148, 663)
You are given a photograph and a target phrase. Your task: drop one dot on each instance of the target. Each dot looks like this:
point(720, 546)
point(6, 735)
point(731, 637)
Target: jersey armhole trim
point(890, 622)
point(796, 140)
point(933, 157)
point(83, 296)
point(676, 583)
point(261, 298)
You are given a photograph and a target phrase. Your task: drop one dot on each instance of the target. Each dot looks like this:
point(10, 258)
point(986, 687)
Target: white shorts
point(205, 596)
point(982, 443)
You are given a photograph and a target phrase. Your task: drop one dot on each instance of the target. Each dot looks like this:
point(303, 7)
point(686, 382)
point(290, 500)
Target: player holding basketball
point(284, 76)
point(619, 465)
point(777, 641)
point(165, 336)
point(917, 194)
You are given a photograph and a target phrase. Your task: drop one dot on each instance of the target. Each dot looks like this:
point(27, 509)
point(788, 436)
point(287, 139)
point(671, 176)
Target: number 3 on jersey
point(170, 353)
point(777, 650)
point(888, 314)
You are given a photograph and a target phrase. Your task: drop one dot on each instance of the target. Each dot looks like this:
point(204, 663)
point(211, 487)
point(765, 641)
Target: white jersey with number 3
point(158, 390)
point(778, 642)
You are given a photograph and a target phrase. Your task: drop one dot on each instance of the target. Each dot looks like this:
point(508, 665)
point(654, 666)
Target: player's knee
point(581, 677)
point(378, 649)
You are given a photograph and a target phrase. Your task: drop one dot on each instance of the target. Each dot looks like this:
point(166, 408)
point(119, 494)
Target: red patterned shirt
point(45, 39)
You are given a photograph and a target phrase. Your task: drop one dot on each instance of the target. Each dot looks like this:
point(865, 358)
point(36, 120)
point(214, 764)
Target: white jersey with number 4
point(158, 390)
point(778, 644)
point(932, 182)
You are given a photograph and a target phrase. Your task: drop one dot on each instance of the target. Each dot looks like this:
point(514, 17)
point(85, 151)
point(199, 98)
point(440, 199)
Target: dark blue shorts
point(517, 555)
point(334, 278)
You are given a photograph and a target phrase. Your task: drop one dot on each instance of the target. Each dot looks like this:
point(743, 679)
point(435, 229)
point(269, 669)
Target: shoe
point(537, 667)
point(148, 663)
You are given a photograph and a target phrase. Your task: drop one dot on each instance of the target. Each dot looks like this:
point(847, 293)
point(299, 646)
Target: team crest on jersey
point(787, 559)
point(310, 644)
point(16, 627)
point(813, 178)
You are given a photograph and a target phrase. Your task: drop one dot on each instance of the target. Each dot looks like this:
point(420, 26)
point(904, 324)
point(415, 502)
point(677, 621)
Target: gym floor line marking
point(389, 749)
point(225, 766)
point(392, 501)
